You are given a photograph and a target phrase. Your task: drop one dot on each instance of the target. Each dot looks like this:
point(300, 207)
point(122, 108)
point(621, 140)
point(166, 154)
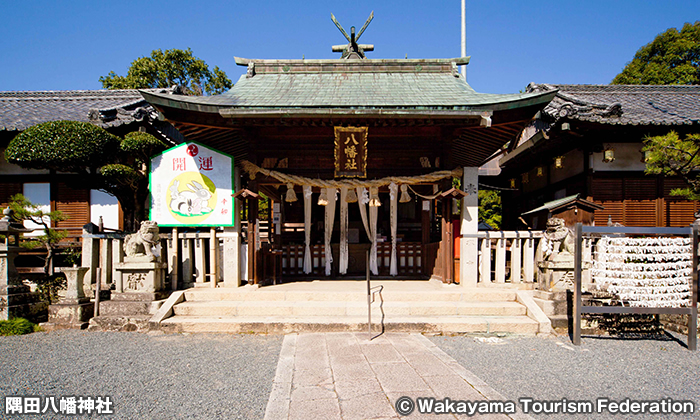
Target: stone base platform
point(137, 323)
point(64, 316)
point(16, 301)
point(128, 311)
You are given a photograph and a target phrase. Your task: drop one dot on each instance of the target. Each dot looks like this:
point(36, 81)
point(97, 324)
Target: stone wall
point(677, 323)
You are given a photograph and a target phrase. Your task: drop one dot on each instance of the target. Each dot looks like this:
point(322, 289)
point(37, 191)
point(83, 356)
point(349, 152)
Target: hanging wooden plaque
point(351, 152)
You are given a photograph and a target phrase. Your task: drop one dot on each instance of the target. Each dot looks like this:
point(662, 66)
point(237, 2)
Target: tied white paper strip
point(307, 229)
point(645, 272)
point(343, 261)
point(373, 231)
point(331, 194)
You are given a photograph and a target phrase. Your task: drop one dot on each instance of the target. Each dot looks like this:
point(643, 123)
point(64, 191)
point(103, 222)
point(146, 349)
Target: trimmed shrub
point(69, 146)
point(16, 326)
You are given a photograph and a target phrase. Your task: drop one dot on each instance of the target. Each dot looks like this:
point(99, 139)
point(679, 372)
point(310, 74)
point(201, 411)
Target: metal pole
point(577, 286)
point(369, 299)
point(98, 286)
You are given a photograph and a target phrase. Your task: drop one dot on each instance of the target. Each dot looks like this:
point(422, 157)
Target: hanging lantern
point(351, 196)
point(559, 162)
point(512, 182)
point(405, 197)
point(540, 171)
point(374, 197)
point(323, 198)
point(608, 155)
point(291, 195)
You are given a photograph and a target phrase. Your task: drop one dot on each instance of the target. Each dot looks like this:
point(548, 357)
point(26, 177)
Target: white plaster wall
point(628, 157)
point(38, 193)
point(105, 205)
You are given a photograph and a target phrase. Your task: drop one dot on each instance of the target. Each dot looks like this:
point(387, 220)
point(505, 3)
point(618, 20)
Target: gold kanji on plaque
point(351, 152)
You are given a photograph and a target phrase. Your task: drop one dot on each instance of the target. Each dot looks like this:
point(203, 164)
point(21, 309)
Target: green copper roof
point(403, 85)
point(552, 205)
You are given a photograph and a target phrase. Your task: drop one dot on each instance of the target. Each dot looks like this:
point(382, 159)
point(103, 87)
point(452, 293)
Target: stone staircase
point(342, 306)
point(554, 305)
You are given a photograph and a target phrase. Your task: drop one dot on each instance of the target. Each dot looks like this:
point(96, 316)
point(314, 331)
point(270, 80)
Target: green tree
point(109, 163)
point(672, 58)
point(672, 155)
point(23, 209)
point(490, 211)
point(165, 69)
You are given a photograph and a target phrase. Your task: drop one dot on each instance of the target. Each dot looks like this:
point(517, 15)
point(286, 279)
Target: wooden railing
point(409, 259)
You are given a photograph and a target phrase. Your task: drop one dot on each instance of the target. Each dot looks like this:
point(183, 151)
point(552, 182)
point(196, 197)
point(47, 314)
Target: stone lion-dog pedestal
point(140, 284)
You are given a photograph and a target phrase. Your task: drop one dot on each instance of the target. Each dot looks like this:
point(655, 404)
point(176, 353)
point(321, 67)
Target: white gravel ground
point(553, 369)
point(146, 376)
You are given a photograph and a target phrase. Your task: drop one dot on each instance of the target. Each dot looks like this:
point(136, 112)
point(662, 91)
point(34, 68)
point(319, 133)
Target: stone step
point(263, 294)
point(126, 307)
point(552, 307)
point(349, 308)
point(285, 324)
point(120, 323)
point(559, 321)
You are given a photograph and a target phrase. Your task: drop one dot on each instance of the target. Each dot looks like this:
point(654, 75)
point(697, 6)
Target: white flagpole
point(464, 36)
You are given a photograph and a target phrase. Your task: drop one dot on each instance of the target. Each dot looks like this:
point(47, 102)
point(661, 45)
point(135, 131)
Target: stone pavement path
point(346, 376)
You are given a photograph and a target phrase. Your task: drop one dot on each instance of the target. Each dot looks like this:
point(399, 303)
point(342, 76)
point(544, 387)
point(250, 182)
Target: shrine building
point(355, 155)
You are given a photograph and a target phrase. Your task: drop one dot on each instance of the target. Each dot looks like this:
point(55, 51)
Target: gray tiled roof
point(106, 108)
point(624, 104)
point(352, 84)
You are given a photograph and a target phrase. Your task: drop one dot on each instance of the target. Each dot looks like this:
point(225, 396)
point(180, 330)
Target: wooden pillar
point(447, 241)
point(253, 240)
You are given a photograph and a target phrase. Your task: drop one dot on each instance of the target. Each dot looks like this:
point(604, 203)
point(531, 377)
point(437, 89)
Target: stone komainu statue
point(555, 252)
point(139, 246)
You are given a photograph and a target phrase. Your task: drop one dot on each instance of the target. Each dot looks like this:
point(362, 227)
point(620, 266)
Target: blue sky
point(58, 45)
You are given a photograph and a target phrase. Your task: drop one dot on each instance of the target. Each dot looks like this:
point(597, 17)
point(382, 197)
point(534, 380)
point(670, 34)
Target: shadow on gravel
point(663, 336)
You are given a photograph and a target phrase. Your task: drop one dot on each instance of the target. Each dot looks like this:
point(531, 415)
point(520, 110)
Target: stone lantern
point(15, 298)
